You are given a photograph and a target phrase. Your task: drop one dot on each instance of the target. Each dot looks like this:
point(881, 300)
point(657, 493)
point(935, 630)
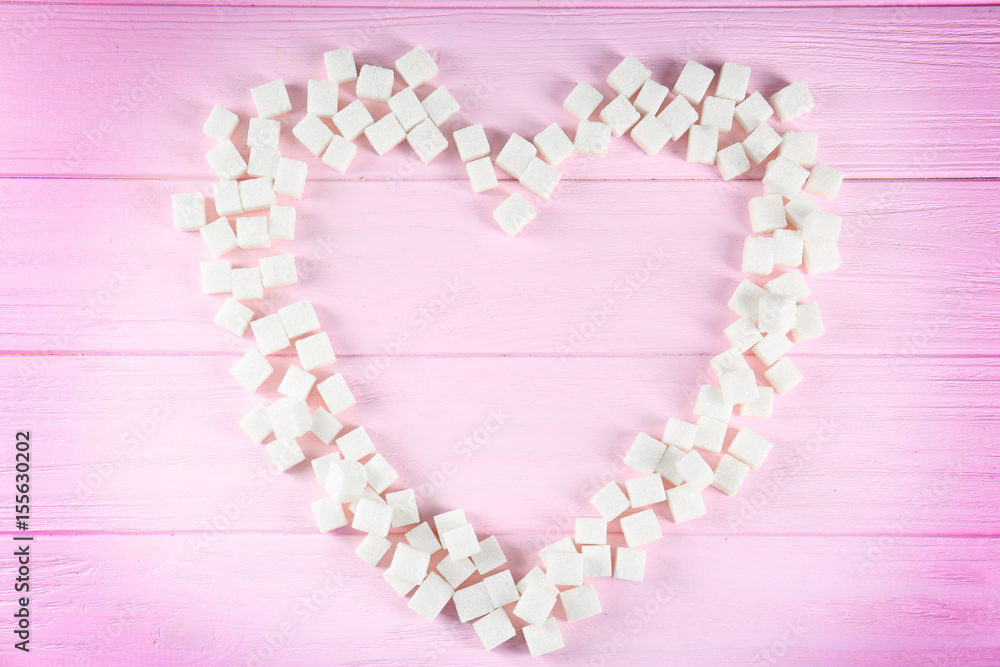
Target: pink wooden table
point(164, 537)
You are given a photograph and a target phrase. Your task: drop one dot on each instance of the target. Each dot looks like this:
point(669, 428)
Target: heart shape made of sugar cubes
point(436, 559)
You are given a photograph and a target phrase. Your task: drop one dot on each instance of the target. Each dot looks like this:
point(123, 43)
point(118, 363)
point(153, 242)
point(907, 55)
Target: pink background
point(164, 537)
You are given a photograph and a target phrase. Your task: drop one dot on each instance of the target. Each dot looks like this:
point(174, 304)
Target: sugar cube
point(356, 444)
point(592, 530)
point(790, 284)
point(381, 475)
point(583, 100)
point(820, 224)
point(263, 133)
point(278, 270)
point(784, 177)
point(315, 351)
point(322, 98)
point(819, 255)
point(285, 453)
point(461, 542)
point(787, 247)
point(372, 517)
point(619, 115)
point(256, 423)
point(290, 179)
point(501, 588)
point(711, 403)
point(799, 147)
point(761, 142)
point(340, 65)
point(352, 120)
point(771, 348)
point(449, 520)
point(645, 490)
point(729, 474)
point(644, 453)
point(678, 116)
point(494, 629)
point(514, 214)
point(679, 433)
point(407, 109)
point(711, 433)
point(472, 601)
point(667, 467)
point(696, 472)
point(610, 501)
point(216, 277)
point(650, 135)
point(426, 141)
point(798, 209)
point(335, 393)
point(409, 565)
point(299, 318)
point(252, 232)
point(313, 134)
point(535, 604)
point(733, 82)
point(257, 194)
point(718, 112)
point(737, 386)
point(416, 67)
point(767, 214)
point(808, 323)
point(321, 464)
point(760, 407)
point(536, 576)
point(251, 370)
point(345, 480)
point(650, 98)
point(750, 448)
point(482, 177)
point(385, 134)
point(515, 156)
point(401, 587)
point(685, 502)
point(329, 515)
point(247, 284)
point(630, 564)
point(693, 81)
point(730, 360)
point(732, 161)
point(189, 211)
point(372, 548)
point(783, 375)
point(580, 602)
point(565, 544)
point(233, 316)
point(758, 255)
point(374, 83)
point(339, 154)
point(792, 101)
point(540, 178)
point(220, 124)
point(440, 106)
point(543, 638)
point(227, 198)
point(746, 299)
point(471, 142)
point(628, 76)
point(226, 161)
point(404, 508)
point(263, 162)
point(752, 112)
point(289, 417)
point(642, 527)
point(490, 556)
point(456, 571)
point(271, 99)
point(596, 560)
point(325, 426)
point(297, 383)
point(553, 144)
point(422, 537)
point(777, 314)
point(703, 144)
point(824, 181)
point(743, 334)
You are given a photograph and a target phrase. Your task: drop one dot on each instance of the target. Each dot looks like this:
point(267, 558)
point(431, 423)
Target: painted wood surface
point(166, 537)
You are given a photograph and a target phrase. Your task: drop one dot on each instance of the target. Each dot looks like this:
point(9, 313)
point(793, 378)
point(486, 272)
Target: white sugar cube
point(732, 161)
point(743, 334)
point(416, 67)
point(226, 161)
point(693, 81)
point(733, 82)
point(256, 423)
point(685, 502)
point(352, 120)
point(678, 116)
point(297, 383)
point(718, 112)
point(645, 490)
point(564, 568)
point(564, 544)
point(583, 100)
point(543, 638)
point(271, 99)
point(792, 101)
point(650, 135)
point(514, 214)
point(404, 508)
point(515, 156)
point(233, 316)
point(335, 393)
point(711, 432)
point(667, 467)
point(374, 83)
point(340, 65)
point(189, 211)
point(285, 453)
point(592, 530)
point(771, 348)
point(501, 588)
point(820, 224)
point(322, 98)
point(372, 517)
point(767, 213)
point(777, 314)
point(730, 360)
point(737, 386)
point(490, 556)
point(758, 255)
point(321, 464)
point(471, 142)
point(644, 453)
point(628, 76)
point(290, 179)
point(553, 144)
point(799, 147)
point(610, 501)
point(592, 138)
point(456, 572)
point(407, 109)
point(619, 115)
point(752, 112)
point(381, 475)
point(761, 142)
point(431, 597)
point(580, 602)
point(345, 480)
point(787, 247)
point(630, 564)
point(596, 560)
point(220, 124)
point(642, 527)
point(711, 403)
point(679, 433)
point(329, 515)
point(247, 284)
point(373, 548)
point(650, 98)
point(783, 375)
point(401, 587)
point(216, 277)
point(263, 162)
point(263, 133)
point(729, 474)
point(315, 351)
point(536, 576)
point(482, 177)
point(784, 177)
point(440, 106)
point(494, 629)
point(760, 407)
point(449, 520)
point(540, 178)
point(299, 318)
point(385, 134)
point(461, 542)
point(426, 141)
point(798, 209)
point(824, 181)
point(278, 270)
point(808, 323)
point(227, 198)
point(325, 426)
point(356, 444)
point(472, 602)
point(409, 565)
point(257, 194)
point(703, 144)
point(819, 255)
point(339, 154)
point(750, 448)
point(252, 232)
point(313, 134)
point(289, 417)
point(251, 370)
point(696, 472)
point(790, 284)
point(746, 299)
point(535, 604)
point(422, 537)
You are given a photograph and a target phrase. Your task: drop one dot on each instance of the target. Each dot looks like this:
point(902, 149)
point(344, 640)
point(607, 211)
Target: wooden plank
point(141, 79)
